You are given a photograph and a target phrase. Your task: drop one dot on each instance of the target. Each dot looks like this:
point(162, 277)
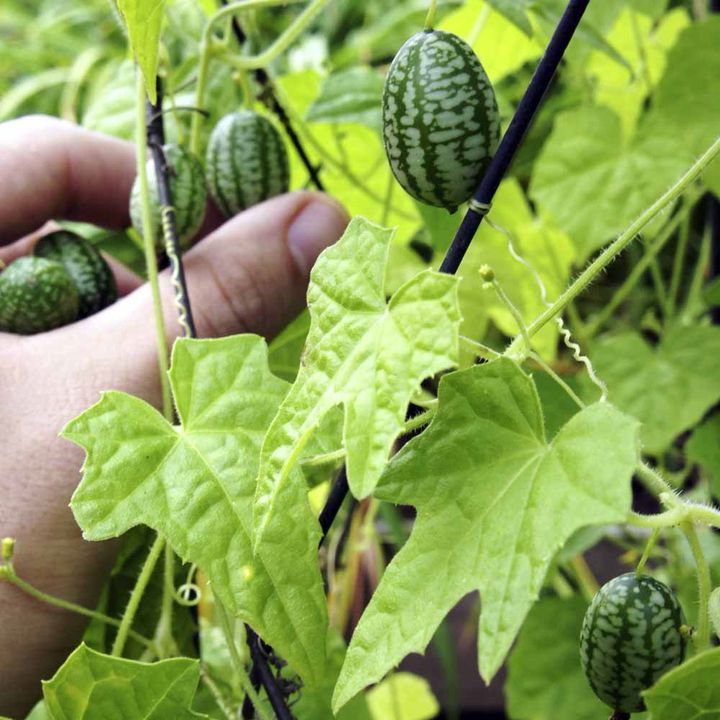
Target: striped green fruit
point(440, 119)
point(246, 162)
point(189, 195)
point(36, 295)
point(630, 637)
point(86, 267)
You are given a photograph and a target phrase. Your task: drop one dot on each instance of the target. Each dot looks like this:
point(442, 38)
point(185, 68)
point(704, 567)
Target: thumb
point(249, 275)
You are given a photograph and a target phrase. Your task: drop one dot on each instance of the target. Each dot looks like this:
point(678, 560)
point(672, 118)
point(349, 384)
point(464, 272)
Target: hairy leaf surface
point(364, 353)
point(93, 686)
point(494, 503)
point(194, 484)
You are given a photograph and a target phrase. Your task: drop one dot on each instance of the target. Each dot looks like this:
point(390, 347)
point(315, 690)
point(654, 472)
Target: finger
point(248, 276)
point(53, 169)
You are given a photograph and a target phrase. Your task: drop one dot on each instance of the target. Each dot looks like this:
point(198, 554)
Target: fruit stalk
point(155, 142)
point(511, 141)
point(270, 100)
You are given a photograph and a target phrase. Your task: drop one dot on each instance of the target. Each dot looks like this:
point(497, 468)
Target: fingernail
point(318, 225)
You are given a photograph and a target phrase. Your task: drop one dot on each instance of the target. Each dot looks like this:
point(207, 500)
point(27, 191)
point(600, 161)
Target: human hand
point(247, 275)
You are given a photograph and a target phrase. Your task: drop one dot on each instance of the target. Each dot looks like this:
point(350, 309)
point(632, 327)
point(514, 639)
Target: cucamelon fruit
point(440, 119)
point(36, 295)
point(189, 195)
point(246, 162)
point(86, 267)
point(630, 637)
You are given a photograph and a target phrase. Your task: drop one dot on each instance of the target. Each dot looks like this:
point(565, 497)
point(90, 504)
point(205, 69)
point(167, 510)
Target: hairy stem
point(653, 248)
point(618, 245)
point(8, 574)
point(137, 595)
point(702, 636)
point(247, 686)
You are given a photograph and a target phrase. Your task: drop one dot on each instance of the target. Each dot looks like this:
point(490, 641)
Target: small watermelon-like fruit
point(630, 637)
point(36, 295)
point(440, 119)
point(93, 278)
point(189, 195)
point(246, 162)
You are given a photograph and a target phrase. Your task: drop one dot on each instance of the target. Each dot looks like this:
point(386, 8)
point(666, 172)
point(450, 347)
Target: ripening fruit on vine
point(87, 268)
point(630, 637)
point(246, 162)
point(441, 123)
point(189, 195)
point(36, 295)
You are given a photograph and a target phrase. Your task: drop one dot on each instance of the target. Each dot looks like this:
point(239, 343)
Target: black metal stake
point(269, 99)
point(480, 204)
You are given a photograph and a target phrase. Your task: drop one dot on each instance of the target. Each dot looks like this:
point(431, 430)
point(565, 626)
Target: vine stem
point(8, 574)
point(498, 167)
point(714, 611)
point(247, 686)
point(430, 17)
point(649, 545)
point(702, 636)
point(136, 596)
point(595, 323)
point(245, 63)
point(281, 44)
point(618, 245)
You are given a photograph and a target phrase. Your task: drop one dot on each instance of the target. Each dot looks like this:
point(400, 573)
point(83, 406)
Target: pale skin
point(247, 275)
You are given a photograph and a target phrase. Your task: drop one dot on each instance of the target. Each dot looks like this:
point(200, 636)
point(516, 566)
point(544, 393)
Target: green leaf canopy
point(495, 501)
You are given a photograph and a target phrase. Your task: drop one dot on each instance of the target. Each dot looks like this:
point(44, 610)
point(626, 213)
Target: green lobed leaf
point(690, 691)
point(594, 182)
point(194, 484)
point(669, 387)
point(349, 96)
point(144, 19)
point(363, 353)
point(93, 686)
point(545, 679)
point(495, 501)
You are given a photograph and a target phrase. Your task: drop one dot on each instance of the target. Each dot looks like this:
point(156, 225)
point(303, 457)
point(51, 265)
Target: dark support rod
point(261, 671)
point(270, 100)
point(485, 193)
point(155, 142)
